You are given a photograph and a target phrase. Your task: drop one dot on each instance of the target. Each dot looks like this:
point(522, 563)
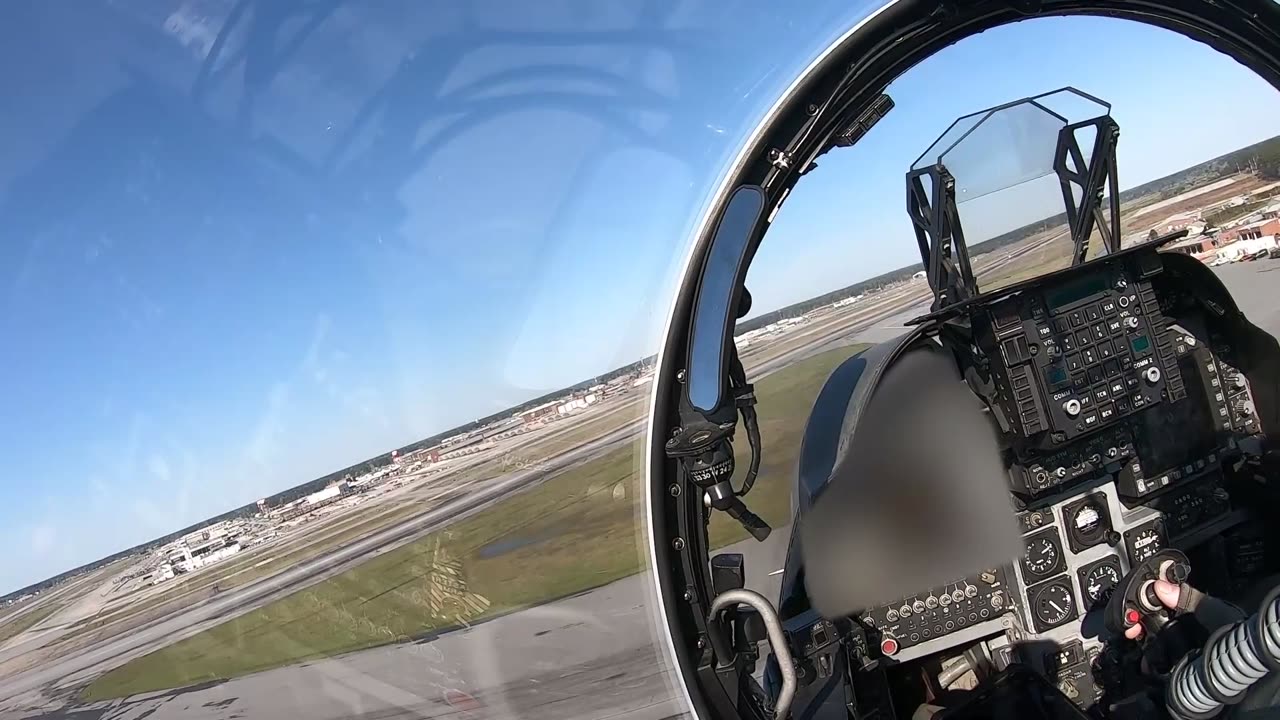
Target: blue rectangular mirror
point(716, 304)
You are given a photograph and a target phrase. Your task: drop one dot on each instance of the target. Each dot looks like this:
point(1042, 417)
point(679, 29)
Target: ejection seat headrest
point(918, 495)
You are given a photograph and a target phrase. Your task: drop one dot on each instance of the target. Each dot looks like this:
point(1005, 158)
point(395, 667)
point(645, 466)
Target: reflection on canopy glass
point(330, 328)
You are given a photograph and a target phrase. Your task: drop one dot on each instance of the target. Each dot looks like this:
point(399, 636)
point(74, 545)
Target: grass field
point(25, 621)
point(235, 573)
point(575, 531)
point(244, 570)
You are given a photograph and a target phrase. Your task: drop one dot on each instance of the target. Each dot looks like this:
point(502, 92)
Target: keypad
point(1099, 346)
point(1091, 353)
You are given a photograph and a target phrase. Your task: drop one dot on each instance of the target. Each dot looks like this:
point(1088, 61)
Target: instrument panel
point(918, 624)
point(1118, 422)
point(1079, 355)
point(1075, 365)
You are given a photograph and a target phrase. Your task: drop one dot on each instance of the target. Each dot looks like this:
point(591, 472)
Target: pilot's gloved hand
point(1209, 611)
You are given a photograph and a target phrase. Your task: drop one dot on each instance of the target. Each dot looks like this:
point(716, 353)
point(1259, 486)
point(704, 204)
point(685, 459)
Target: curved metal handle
point(777, 640)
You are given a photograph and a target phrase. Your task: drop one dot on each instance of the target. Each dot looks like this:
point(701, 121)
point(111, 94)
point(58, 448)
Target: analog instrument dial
point(1145, 543)
point(1100, 580)
point(1054, 604)
point(1087, 520)
point(1042, 556)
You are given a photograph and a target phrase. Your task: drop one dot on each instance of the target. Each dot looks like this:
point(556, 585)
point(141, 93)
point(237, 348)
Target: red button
point(889, 646)
point(1132, 617)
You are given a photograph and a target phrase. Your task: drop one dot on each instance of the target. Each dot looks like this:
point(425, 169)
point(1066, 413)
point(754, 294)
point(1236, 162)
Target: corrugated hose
point(1234, 658)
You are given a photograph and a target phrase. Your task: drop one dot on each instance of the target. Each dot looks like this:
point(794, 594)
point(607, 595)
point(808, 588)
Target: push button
point(1076, 318)
point(1099, 331)
point(1093, 313)
point(1074, 363)
point(1089, 356)
point(1083, 338)
point(1111, 368)
point(1015, 350)
point(1005, 316)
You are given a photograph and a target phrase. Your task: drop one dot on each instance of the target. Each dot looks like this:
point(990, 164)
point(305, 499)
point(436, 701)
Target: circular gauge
point(1053, 604)
point(1087, 520)
point(1041, 556)
point(1144, 544)
point(1101, 580)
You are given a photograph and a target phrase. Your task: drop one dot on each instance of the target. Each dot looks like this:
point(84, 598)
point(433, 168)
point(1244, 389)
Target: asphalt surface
point(17, 691)
point(38, 689)
point(595, 655)
point(1256, 289)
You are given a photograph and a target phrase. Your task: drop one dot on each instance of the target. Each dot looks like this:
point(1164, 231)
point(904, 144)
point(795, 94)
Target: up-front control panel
point(1075, 356)
point(1087, 457)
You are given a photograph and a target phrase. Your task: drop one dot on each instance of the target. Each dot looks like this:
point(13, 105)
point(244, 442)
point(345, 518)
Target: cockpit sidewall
point(1238, 29)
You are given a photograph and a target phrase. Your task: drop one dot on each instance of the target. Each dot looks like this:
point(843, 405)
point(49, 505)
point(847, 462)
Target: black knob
point(1177, 573)
point(1112, 537)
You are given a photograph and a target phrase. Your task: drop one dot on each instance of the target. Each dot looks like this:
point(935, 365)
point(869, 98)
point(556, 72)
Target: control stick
point(1236, 656)
point(1134, 601)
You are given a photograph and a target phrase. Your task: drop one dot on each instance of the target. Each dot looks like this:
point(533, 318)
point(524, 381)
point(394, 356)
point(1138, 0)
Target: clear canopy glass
point(1000, 147)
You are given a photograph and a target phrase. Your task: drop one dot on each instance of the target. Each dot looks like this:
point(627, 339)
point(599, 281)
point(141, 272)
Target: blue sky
point(848, 221)
point(222, 283)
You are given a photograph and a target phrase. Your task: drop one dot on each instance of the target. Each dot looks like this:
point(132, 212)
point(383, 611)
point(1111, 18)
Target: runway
point(593, 655)
point(91, 662)
point(24, 690)
point(1256, 289)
